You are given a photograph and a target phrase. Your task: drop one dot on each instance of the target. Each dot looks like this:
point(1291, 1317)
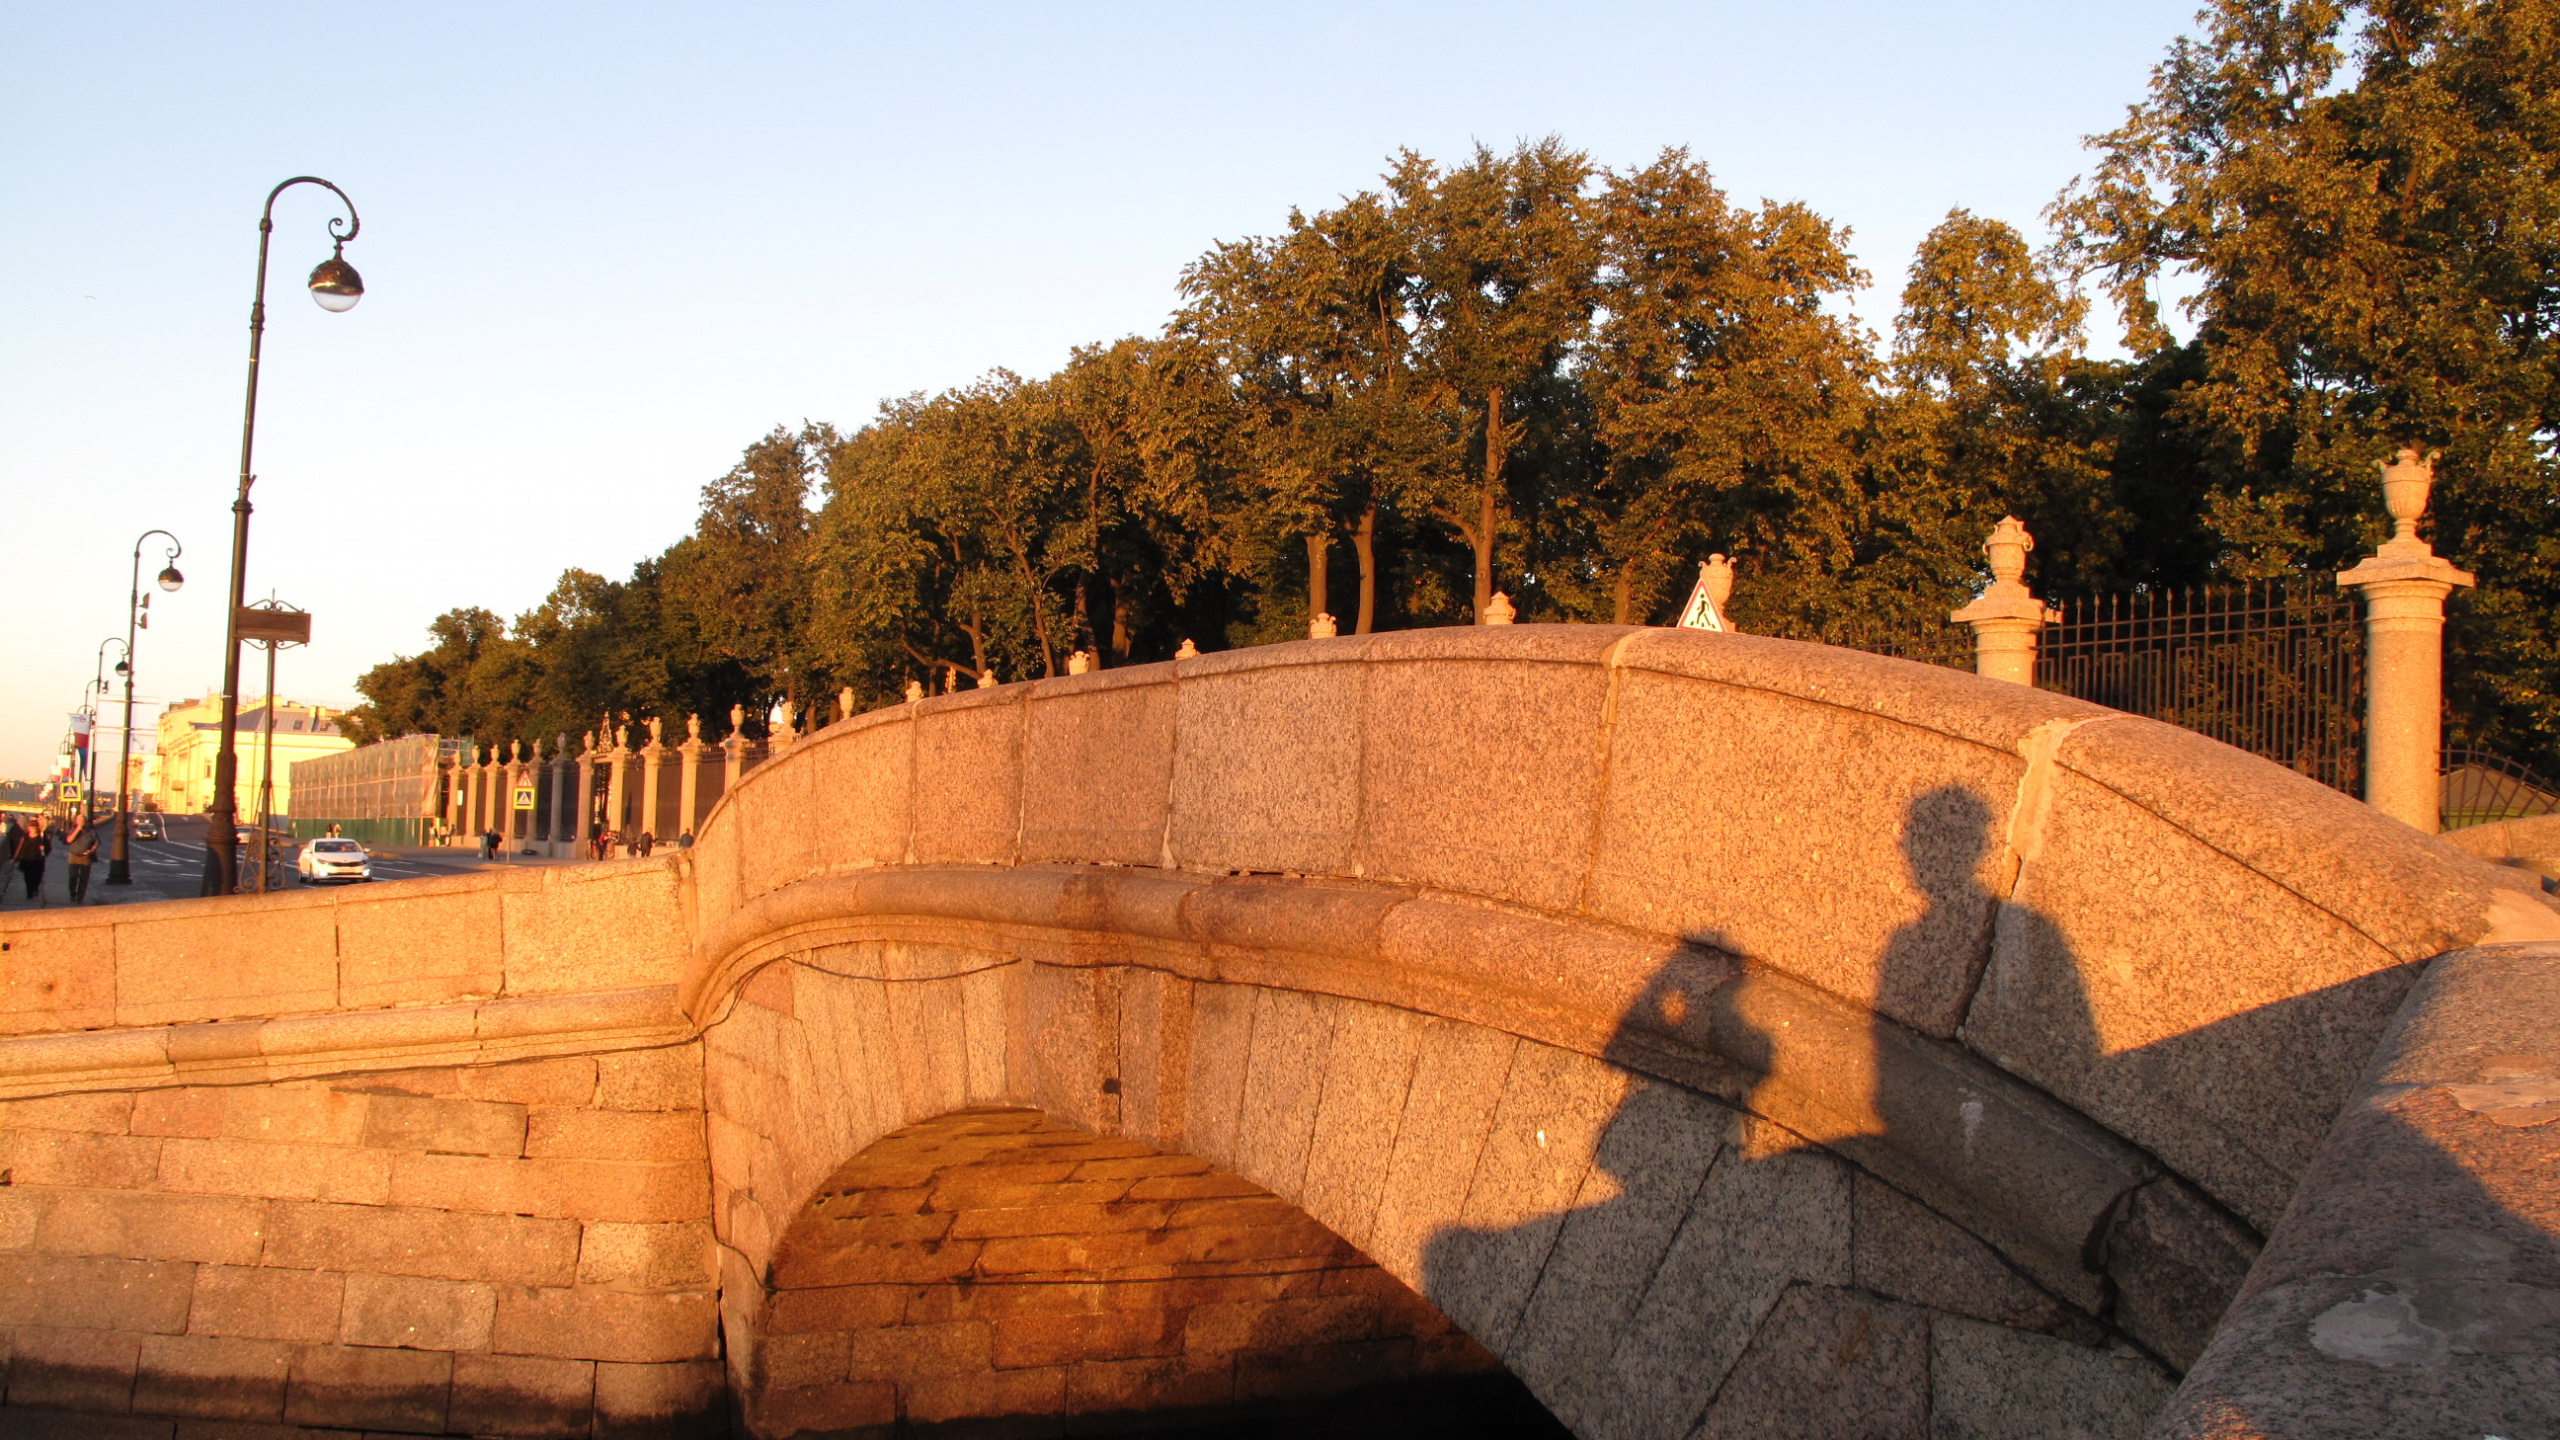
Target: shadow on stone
point(1725, 1274)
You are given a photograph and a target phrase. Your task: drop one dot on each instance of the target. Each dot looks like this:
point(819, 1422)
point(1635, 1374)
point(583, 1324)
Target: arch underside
point(1650, 1258)
point(992, 1270)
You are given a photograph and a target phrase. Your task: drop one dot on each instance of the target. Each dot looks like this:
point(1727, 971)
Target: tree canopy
point(1530, 372)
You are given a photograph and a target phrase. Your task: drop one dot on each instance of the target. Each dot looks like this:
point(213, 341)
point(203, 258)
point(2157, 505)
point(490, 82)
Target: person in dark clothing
point(34, 844)
point(648, 841)
point(79, 853)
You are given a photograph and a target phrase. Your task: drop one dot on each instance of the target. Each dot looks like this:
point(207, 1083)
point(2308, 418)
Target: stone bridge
point(1712, 1035)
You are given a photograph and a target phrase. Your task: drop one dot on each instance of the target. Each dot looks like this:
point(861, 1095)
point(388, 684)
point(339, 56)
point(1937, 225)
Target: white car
point(333, 858)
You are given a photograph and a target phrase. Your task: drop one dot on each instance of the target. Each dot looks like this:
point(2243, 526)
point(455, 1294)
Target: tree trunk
point(1318, 581)
point(1365, 541)
point(1626, 593)
point(1122, 638)
point(1489, 498)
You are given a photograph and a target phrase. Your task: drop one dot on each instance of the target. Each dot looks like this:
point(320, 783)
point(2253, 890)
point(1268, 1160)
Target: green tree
point(1507, 265)
point(735, 592)
point(2368, 198)
point(1728, 397)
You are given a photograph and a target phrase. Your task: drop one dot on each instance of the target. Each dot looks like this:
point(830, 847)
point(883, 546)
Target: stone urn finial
point(515, 752)
point(915, 691)
point(1717, 572)
point(2008, 547)
point(1079, 661)
point(657, 730)
point(987, 678)
point(693, 726)
point(844, 703)
point(591, 744)
point(560, 746)
point(2405, 482)
point(737, 718)
point(1322, 627)
point(1188, 651)
point(1500, 611)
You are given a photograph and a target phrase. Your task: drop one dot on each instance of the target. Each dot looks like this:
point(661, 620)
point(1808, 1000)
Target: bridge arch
point(1698, 1021)
point(993, 1268)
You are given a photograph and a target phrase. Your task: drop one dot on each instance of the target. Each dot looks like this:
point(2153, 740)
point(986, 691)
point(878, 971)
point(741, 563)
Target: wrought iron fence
point(2478, 787)
point(2275, 668)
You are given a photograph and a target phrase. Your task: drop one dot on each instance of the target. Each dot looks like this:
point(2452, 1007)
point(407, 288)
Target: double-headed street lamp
point(337, 287)
point(120, 862)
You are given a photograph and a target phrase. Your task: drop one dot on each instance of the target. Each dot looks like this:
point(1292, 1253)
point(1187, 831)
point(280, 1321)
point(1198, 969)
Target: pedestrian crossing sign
point(1700, 612)
point(524, 797)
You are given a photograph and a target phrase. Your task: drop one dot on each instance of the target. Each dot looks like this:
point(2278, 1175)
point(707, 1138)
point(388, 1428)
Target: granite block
point(1555, 1106)
point(968, 785)
point(1991, 1383)
point(1829, 1363)
point(1284, 1079)
point(213, 967)
point(1458, 1076)
point(422, 949)
point(1481, 778)
point(1256, 785)
point(1886, 902)
point(861, 786)
point(1770, 1215)
point(211, 1378)
point(2194, 1006)
point(1643, 1180)
point(1098, 788)
point(1367, 1078)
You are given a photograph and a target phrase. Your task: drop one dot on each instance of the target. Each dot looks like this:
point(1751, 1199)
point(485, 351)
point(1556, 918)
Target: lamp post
point(120, 863)
point(336, 287)
point(89, 705)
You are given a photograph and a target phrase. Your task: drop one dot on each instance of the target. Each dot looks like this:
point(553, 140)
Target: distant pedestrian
point(685, 841)
point(79, 853)
point(489, 844)
point(33, 844)
point(648, 842)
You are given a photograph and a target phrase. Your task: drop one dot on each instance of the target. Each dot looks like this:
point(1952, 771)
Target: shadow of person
point(1750, 1249)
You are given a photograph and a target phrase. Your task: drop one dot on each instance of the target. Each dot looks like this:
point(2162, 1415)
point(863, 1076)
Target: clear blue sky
point(607, 246)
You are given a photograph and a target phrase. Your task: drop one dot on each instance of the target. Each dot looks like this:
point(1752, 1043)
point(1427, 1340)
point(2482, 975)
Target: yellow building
point(191, 730)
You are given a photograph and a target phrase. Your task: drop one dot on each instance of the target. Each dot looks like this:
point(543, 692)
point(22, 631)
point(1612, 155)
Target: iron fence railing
point(2275, 668)
point(2477, 787)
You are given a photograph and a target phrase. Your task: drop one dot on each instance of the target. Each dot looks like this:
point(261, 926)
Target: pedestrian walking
point(34, 843)
point(79, 853)
point(648, 842)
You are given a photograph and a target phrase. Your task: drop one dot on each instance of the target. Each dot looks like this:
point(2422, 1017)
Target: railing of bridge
point(2479, 787)
point(2276, 668)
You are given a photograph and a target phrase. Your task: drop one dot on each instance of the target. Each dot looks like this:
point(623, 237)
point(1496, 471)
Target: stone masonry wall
point(422, 1158)
point(1640, 1254)
point(994, 1263)
point(517, 1248)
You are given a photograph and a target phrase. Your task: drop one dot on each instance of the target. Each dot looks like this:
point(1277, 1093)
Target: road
point(173, 869)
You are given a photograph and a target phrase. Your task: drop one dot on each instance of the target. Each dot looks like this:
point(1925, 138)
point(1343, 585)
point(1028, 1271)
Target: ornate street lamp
point(120, 862)
point(336, 286)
